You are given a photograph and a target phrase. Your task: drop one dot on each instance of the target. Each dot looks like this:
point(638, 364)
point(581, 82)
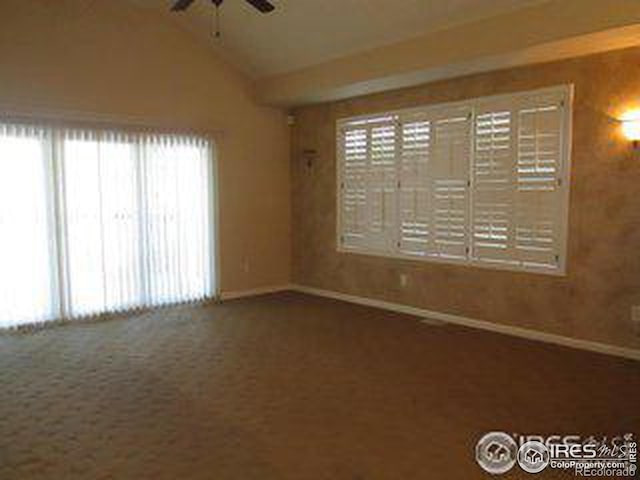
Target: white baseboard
point(255, 291)
point(431, 316)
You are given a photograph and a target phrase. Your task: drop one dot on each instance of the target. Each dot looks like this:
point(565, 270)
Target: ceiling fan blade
point(263, 5)
point(181, 5)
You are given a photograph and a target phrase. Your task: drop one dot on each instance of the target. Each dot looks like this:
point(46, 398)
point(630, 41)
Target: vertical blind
point(95, 221)
point(480, 182)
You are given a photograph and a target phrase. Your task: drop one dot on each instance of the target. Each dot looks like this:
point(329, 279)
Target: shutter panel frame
point(450, 180)
point(492, 236)
point(415, 223)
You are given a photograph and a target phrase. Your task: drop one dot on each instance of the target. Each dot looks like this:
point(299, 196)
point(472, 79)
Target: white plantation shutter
point(493, 183)
point(368, 183)
point(517, 175)
point(381, 185)
point(481, 182)
point(415, 235)
point(353, 205)
point(538, 178)
point(449, 174)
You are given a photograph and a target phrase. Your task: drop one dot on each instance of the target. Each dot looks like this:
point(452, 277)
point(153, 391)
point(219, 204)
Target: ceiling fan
point(264, 6)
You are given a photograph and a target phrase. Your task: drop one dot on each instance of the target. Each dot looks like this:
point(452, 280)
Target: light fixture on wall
point(309, 156)
point(631, 127)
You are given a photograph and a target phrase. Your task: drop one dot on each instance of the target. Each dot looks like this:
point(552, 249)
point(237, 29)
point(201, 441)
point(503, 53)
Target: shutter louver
point(415, 236)
point(449, 181)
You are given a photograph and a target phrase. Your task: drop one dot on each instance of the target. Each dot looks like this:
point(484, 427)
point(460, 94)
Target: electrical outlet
point(246, 266)
point(404, 280)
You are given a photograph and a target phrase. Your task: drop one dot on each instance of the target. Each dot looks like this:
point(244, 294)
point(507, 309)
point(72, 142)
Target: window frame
point(565, 91)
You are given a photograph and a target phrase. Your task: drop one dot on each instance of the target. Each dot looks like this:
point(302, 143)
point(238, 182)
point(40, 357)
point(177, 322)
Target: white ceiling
point(301, 33)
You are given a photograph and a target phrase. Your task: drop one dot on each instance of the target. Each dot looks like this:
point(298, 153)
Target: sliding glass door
point(116, 221)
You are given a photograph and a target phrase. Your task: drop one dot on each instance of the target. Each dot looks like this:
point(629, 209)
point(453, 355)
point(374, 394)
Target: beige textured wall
point(592, 302)
point(101, 57)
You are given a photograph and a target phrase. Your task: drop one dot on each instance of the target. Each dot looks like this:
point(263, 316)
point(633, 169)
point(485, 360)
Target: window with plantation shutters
point(481, 182)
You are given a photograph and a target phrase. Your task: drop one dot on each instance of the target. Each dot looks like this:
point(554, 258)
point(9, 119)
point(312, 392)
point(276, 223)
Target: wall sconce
point(631, 127)
point(309, 156)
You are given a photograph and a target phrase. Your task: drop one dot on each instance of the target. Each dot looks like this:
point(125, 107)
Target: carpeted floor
point(288, 387)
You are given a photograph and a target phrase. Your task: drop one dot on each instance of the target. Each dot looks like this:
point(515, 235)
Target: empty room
point(319, 239)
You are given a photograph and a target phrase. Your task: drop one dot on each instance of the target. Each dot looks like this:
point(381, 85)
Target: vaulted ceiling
point(302, 33)
point(320, 50)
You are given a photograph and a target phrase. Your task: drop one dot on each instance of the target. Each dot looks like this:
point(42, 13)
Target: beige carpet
point(289, 386)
